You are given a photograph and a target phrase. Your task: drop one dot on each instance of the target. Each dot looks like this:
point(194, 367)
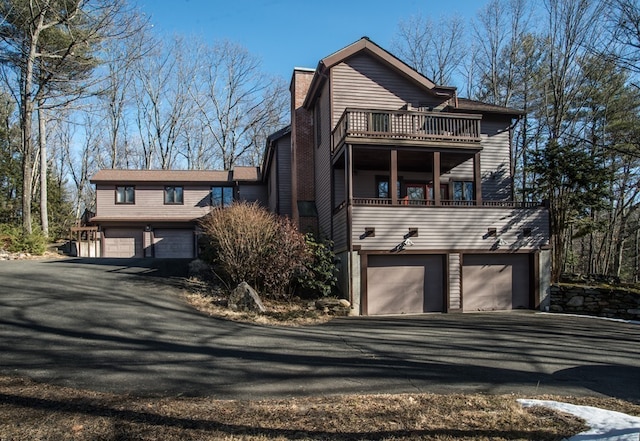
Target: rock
point(556, 308)
point(245, 298)
point(576, 301)
point(328, 302)
point(633, 311)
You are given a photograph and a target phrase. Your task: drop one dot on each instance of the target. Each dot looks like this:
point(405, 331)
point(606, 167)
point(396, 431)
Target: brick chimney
point(302, 152)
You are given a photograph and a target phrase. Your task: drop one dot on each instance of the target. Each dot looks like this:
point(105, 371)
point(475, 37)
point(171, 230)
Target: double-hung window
point(173, 195)
point(125, 194)
point(221, 196)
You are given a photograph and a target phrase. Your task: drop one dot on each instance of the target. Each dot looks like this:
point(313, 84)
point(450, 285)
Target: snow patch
point(606, 425)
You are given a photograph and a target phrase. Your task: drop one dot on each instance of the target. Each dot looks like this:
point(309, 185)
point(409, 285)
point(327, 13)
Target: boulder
point(333, 306)
point(328, 302)
point(245, 298)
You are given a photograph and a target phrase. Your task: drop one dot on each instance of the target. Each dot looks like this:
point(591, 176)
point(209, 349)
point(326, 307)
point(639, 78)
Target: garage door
point(493, 282)
point(176, 244)
point(404, 284)
point(122, 242)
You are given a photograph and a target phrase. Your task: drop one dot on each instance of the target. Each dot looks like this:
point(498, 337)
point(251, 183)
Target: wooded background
point(87, 84)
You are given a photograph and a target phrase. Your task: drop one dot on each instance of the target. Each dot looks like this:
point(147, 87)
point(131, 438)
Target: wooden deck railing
point(407, 125)
point(444, 203)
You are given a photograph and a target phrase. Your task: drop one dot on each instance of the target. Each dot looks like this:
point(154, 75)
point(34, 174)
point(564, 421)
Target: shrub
point(13, 239)
point(248, 243)
point(318, 276)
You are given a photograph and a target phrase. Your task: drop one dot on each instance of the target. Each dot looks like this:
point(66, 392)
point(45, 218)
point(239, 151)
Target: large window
point(221, 196)
point(463, 191)
point(173, 195)
point(125, 195)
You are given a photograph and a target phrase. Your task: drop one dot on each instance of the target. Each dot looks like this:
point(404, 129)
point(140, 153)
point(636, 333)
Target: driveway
point(118, 326)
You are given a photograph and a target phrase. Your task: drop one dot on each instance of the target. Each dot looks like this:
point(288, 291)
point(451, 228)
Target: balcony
point(443, 203)
point(406, 126)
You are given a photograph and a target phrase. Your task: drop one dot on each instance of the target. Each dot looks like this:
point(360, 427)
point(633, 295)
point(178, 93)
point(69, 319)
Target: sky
point(294, 33)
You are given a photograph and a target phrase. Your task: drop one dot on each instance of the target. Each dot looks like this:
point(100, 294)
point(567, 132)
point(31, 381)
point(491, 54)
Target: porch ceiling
point(413, 160)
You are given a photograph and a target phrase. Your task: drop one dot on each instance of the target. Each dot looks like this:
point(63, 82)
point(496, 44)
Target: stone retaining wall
point(601, 302)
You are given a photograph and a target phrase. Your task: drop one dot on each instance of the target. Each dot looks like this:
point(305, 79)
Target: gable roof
point(182, 176)
point(367, 46)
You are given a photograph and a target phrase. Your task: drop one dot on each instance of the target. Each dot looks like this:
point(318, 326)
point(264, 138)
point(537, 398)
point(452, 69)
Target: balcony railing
point(407, 125)
point(444, 203)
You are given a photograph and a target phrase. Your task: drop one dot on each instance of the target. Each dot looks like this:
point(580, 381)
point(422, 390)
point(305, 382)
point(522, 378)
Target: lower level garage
point(173, 243)
point(122, 242)
point(404, 284)
point(494, 282)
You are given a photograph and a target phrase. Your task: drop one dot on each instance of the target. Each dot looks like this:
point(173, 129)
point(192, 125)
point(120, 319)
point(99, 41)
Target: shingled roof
point(467, 105)
point(166, 176)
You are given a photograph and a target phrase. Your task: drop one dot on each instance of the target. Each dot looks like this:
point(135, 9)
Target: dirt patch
point(29, 410)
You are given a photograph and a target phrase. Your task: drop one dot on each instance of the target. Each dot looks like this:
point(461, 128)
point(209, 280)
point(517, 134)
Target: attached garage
point(173, 243)
point(493, 282)
point(122, 242)
point(404, 284)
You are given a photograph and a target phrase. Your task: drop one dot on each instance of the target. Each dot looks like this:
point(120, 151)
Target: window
point(125, 195)
point(221, 196)
point(173, 195)
point(382, 187)
point(463, 191)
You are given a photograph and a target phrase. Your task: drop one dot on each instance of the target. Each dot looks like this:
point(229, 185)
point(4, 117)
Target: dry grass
point(32, 411)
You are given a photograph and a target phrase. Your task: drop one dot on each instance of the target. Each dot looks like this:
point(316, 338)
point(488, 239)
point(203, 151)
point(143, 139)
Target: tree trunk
point(27, 158)
point(44, 210)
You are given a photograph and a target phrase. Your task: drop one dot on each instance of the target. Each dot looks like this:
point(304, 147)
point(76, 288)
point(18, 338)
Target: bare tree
point(162, 84)
point(238, 105)
point(437, 50)
point(499, 31)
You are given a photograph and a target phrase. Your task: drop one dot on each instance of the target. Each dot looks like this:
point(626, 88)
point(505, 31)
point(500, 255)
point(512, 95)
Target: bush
point(318, 276)
point(247, 243)
point(13, 239)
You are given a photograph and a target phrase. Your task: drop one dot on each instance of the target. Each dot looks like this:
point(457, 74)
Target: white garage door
point(176, 244)
point(494, 282)
point(122, 242)
point(404, 284)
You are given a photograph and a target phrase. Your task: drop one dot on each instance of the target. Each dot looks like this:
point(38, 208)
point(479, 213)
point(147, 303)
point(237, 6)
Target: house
point(154, 213)
point(412, 184)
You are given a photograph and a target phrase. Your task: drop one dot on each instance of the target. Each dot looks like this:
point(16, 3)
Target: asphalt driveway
point(118, 325)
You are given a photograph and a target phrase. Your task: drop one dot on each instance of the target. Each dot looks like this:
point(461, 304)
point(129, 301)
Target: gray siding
point(272, 185)
point(149, 202)
point(323, 168)
point(283, 153)
point(495, 161)
point(451, 228)
point(253, 193)
point(454, 281)
point(339, 236)
point(363, 82)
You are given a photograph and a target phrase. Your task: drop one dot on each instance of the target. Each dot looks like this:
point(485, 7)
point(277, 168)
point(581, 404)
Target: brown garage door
point(404, 284)
point(176, 244)
point(494, 282)
point(122, 242)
